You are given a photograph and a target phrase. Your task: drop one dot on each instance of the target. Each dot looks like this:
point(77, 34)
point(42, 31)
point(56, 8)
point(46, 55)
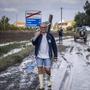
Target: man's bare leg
point(48, 72)
point(41, 73)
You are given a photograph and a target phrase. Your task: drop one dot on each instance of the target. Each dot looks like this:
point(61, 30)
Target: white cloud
point(70, 1)
point(9, 10)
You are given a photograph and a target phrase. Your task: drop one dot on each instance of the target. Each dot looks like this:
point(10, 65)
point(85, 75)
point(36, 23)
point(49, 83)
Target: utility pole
point(61, 17)
point(16, 18)
point(25, 19)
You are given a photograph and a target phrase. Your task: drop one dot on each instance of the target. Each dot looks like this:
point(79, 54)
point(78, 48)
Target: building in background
point(19, 24)
point(64, 25)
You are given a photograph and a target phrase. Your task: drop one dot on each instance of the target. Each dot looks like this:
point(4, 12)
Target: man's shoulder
point(50, 35)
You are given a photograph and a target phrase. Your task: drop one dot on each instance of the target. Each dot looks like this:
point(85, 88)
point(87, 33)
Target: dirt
point(62, 48)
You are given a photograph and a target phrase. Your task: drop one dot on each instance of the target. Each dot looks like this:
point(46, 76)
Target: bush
point(13, 27)
point(69, 28)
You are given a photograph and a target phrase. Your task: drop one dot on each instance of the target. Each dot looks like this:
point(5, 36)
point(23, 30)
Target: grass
point(15, 58)
point(7, 48)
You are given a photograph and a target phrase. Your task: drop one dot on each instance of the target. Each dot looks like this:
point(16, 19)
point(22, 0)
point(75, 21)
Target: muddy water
point(20, 77)
point(79, 76)
point(24, 76)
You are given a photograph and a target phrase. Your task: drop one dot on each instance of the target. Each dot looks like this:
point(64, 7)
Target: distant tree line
point(5, 25)
point(83, 18)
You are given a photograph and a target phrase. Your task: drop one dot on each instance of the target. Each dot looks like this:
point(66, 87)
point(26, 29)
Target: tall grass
point(7, 48)
point(15, 58)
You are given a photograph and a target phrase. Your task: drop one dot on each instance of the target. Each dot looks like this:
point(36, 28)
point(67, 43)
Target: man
point(44, 46)
point(60, 34)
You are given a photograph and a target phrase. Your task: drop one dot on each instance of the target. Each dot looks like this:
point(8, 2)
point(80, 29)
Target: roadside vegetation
point(15, 58)
point(83, 18)
point(7, 48)
point(5, 25)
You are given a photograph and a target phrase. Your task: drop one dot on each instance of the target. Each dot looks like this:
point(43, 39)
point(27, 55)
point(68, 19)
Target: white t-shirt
point(44, 48)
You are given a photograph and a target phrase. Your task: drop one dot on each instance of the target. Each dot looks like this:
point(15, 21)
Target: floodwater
point(70, 72)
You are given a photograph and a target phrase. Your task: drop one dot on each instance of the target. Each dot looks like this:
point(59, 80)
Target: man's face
point(43, 28)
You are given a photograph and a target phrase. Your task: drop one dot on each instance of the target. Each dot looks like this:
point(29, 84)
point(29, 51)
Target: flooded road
point(72, 70)
point(20, 77)
point(77, 76)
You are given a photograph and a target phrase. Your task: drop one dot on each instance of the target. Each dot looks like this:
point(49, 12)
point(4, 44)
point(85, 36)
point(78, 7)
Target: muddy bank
point(10, 36)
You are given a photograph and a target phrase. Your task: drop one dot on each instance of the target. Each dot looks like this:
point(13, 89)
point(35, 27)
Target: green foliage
point(13, 27)
point(73, 24)
point(81, 18)
point(87, 8)
point(4, 23)
point(15, 58)
point(69, 28)
point(7, 48)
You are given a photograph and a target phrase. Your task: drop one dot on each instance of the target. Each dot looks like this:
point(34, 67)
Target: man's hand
point(36, 35)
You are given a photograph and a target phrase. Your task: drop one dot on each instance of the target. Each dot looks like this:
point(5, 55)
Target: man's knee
point(48, 70)
point(40, 70)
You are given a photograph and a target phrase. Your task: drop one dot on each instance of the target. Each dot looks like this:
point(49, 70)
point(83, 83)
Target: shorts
point(43, 62)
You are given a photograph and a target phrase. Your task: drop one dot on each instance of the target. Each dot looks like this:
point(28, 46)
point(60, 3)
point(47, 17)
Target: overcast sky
point(15, 9)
